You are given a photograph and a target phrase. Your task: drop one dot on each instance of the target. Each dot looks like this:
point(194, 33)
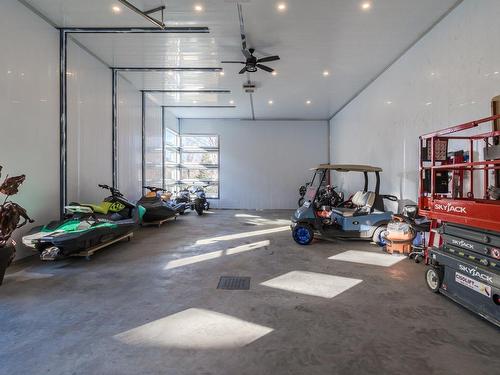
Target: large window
point(171, 161)
point(199, 162)
point(191, 159)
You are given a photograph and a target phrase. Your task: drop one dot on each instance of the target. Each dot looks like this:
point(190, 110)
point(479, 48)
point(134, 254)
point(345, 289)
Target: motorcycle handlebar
point(111, 189)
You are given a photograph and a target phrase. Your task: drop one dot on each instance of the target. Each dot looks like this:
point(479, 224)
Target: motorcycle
point(85, 226)
point(194, 198)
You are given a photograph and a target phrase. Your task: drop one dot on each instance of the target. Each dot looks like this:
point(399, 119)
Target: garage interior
point(217, 187)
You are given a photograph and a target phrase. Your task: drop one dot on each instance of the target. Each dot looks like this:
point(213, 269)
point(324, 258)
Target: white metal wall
point(263, 163)
point(449, 77)
point(129, 140)
point(89, 126)
point(29, 110)
point(153, 142)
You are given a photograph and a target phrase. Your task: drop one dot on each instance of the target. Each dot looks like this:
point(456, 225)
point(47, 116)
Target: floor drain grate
point(234, 283)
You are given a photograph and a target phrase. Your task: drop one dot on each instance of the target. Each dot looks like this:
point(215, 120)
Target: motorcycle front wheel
point(199, 209)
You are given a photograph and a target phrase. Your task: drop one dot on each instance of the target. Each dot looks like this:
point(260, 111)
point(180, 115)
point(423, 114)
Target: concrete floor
point(88, 317)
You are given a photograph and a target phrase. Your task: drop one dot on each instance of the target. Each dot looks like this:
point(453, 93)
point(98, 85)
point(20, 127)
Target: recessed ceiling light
point(281, 7)
point(274, 73)
point(326, 73)
point(270, 102)
point(496, 72)
point(366, 5)
point(170, 73)
point(388, 102)
point(221, 73)
point(428, 103)
point(116, 9)
point(231, 102)
point(198, 8)
point(195, 101)
point(308, 102)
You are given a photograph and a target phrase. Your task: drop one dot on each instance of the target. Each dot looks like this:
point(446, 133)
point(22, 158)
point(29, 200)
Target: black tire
point(433, 279)
point(301, 202)
point(199, 209)
point(207, 205)
point(303, 234)
point(376, 237)
point(181, 212)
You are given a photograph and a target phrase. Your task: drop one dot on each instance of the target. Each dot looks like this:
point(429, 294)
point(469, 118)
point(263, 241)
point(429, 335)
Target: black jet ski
point(86, 226)
point(158, 206)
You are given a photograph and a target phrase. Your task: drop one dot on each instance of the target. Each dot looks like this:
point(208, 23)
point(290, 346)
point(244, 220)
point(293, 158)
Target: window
point(171, 167)
point(190, 159)
point(199, 162)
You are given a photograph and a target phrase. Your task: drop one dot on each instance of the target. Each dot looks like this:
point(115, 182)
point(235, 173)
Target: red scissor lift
point(466, 262)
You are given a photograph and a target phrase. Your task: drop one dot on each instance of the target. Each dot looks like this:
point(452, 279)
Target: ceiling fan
point(252, 63)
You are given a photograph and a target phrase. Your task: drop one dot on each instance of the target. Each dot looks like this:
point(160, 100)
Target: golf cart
point(363, 217)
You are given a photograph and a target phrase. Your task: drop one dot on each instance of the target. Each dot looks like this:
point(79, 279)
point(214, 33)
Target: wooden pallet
point(158, 223)
point(87, 253)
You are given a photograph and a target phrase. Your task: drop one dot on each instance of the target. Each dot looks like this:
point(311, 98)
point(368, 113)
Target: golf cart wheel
point(433, 278)
point(378, 237)
point(199, 209)
point(303, 234)
point(301, 202)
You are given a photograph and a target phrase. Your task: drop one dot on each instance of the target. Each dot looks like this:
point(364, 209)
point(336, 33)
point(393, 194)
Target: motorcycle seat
point(95, 208)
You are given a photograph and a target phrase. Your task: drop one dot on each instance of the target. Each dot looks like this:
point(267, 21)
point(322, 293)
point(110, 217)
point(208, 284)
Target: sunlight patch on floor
point(229, 237)
point(195, 329)
point(25, 275)
point(312, 283)
point(246, 216)
point(366, 257)
point(216, 254)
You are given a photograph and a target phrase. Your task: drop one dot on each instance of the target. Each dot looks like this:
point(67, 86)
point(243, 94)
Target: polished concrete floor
point(150, 306)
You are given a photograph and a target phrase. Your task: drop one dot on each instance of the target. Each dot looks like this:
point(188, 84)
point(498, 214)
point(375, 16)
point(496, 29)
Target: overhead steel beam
point(133, 8)
point(136, 30)
point(199, 106)
point(215, 91)
point(165, 69)
point(157, 9)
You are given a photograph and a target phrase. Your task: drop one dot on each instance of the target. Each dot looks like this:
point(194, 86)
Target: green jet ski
point(86, 226)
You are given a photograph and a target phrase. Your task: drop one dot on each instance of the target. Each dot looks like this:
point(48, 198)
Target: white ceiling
point(311, 36)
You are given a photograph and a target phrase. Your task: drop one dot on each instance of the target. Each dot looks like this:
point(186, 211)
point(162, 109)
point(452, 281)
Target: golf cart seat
point(363, 202)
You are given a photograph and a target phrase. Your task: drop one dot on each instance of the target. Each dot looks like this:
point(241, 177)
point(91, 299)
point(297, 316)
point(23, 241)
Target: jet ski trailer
point(86, 228)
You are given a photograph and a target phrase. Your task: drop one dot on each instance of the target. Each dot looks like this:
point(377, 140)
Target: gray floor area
point(148, 307)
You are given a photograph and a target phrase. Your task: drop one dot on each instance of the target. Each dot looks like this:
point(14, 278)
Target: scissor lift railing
point(455, 207)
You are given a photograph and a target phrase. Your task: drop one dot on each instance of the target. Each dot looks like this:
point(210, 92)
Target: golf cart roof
point(348, 168)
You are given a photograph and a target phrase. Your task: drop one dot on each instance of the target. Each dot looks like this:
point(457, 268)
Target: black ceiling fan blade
point(243, 70)
point(233, 62)
point(268, 59)
point(266, 68)
point(246, 53)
